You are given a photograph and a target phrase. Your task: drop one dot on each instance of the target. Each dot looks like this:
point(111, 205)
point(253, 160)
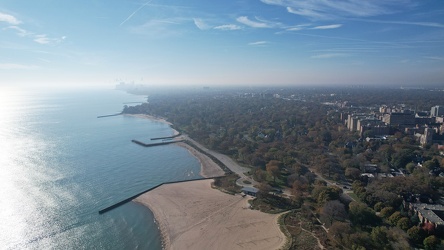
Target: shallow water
point(60, 165)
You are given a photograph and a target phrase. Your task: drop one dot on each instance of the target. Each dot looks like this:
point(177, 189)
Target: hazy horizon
point(198, 43)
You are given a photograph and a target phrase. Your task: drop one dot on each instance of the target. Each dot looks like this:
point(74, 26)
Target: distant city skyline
point(209, 43)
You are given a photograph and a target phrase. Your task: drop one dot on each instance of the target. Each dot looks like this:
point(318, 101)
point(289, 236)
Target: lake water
point(60, 165)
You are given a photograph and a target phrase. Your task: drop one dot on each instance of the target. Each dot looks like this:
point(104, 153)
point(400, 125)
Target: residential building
point(399, 119)
point(429, 213)
point(437, 111)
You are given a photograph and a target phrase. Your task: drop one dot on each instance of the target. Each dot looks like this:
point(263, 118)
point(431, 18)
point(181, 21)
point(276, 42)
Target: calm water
point(60, 165)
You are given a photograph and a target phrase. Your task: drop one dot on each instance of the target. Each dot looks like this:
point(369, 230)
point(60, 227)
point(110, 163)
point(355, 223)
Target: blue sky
point(222, 42)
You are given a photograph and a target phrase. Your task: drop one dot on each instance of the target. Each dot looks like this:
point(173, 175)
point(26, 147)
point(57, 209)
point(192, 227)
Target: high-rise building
point(437, 111)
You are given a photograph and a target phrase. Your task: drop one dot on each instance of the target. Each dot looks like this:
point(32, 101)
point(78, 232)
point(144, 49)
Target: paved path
point(230, 163)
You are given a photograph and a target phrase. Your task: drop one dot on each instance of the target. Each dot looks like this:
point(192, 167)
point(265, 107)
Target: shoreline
point(208, 168)
point(193, 215)
point(154, 118)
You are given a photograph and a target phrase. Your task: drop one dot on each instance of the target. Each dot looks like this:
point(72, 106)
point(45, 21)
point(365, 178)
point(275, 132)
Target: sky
point(222, 42)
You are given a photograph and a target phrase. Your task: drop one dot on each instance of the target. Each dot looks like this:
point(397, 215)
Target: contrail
point(132, 14)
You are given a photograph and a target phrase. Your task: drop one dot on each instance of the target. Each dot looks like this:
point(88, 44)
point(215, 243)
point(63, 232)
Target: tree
point(403, 223)
point(334, 210)
point(378, 206)
point(352, 173)
point(339, 233)
point(323, 194)
point(431, 242)
point(415, 234)
point(273, 169)
point(410, 167)
point(260, 175)
point(379, 236)
point(431, 164)
point(300, 184)
point(386, 212)
point(402, 157)
point(362, 215)
point(394, 218)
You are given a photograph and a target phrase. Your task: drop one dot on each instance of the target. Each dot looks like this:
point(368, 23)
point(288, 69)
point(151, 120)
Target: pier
point(155, 144)
point(103, 116)
point(166, 137)
point(120, 203)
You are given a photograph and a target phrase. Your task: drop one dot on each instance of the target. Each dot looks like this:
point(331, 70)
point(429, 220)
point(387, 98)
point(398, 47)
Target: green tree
point(410, 167)
point(322, 194)
point(403, 223)
point(431, 164)
point(378, 206)
point(380, 237)
point(386, 212)
point(362, 215)
point(415, 234)
point(402, 157)
point(431, 242)
point(394, 218)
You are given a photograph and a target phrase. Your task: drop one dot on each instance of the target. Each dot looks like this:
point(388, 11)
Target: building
point(437, 111)
point(250, 191)
point(427, 137)
point(429, 214)
point(352, 121)
point(399, 119)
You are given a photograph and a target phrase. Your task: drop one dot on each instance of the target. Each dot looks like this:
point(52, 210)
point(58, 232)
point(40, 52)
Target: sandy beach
point(192, 215)
point(208, 168)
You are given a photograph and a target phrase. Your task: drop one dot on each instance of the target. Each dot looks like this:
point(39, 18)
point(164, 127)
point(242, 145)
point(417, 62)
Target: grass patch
point(227, 183)
point(272, 204)
point(354, 197)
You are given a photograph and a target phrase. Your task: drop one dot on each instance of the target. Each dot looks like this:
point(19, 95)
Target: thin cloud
point(326, 27)
point(258, 43)
point(159, 28)
point(436, 58)
point(329, 55)
point(426, 24)
point(298, 27)
point(20, 32)
point(254, 24)
point(44, 39)
point(15, 66)
point(200, 24)
point(132, 14)
point(9, 19)
point(228, 27)
point(321, 9)
point(308, 13)
point(38, 38)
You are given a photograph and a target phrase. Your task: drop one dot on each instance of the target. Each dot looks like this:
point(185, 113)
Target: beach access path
point(230, 163)
point(192, 215)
